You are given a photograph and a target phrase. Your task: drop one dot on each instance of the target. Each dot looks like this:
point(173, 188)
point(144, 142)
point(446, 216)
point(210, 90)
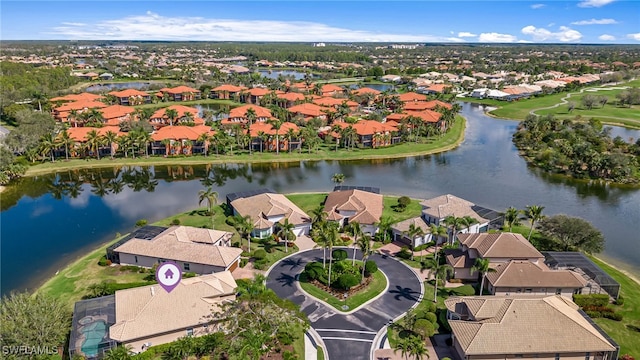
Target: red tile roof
point(128, 93)
point(437, 87)
point(365, 90)
point(181, 109)
point(258, 91)
point(411, 96)
point(79, 105)
point(426, 116)
point(268, 129)
point(180, 90)
point(181, 132)
point(330, 101)
point(78, 97)
point(113, 113)
point(291, 96)
point(308, 109)
point(425, 105)
point(229, 88)
point(80, 133)
point(327, 88)
point(240, 112)
point(368, 127)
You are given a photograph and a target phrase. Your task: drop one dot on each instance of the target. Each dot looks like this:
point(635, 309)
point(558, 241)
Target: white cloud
point(455, 39)
point(606, 37)
point(74, 24)
point(635, 36)
point(537, 6)
point(466, 34)
point(594, 3)
point(564, 34)
point(496, 38)
point(551, 24)
point(151, 26)
point(595, 22)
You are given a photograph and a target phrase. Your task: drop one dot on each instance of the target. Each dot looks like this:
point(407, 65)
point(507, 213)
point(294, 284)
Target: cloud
point(537, 6)
point(594, 3)
point(564, 34)
point(595, 22)
point(606, 37)
point(152, 26)
point(496, 38)
point(463, 34)
point(74, 24)
point(635, 36)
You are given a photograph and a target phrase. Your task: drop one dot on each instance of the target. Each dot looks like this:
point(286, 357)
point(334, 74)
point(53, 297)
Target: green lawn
point(320, 353)
point(199, 218)
point(433, 145)
point(618, 330)
point(307, 202)
point(378, 284)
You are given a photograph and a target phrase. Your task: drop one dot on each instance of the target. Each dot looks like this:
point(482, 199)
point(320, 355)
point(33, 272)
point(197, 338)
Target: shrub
point(346, 281)
point(431, 306)
point(591, 300)
point(620, 300)
point(259, 254)
point(370, 268)
point(130, 268)
point(594, 314)
point(455, 281)
point(260, 264)
point(103, 261)
point(236, 244)
point(465, 290)
point(314, 270)
point(442, 320)
point(424, 327)
point(626, 357)
point(404, 201)
point(175, 222)
point(284, 337)
point(188, 275)
point(141, 222)
point(339, 254)
point(613, 316)
point(404, 253)
point(243, 262)
point(431, 317)
point(633, 328)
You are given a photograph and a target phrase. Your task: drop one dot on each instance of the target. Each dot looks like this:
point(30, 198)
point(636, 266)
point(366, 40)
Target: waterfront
point(44, 232)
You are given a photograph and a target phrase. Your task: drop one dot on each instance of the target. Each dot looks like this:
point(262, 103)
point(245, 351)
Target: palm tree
point(332, 237)
point(413, 232)
point(118, 353)
point(319, 236)
point(511, 217)
point(467, 221)
point(110, 137)
point(67, 141)
point(291, 133)
point(384, 225)
point(404, 345)
point(436, 233)
point(95, 115)
point(364, 243)
point(263, 137)
point(534, 213)
point(276, 124)
point(318, 215)
point(204, 139)
point(48, 145)
point(438, 270)
point(187, 118)
point(172, 115)
point(286, 232)
point(211, 197)
point(416, 348)
point(355, 230)
point(251, 116)
point(94, 141)
point(145, 138)
point(453, 223)
point(338, 178)
point(482, 266)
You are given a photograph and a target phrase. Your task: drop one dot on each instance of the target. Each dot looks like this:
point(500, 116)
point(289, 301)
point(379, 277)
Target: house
point(130, 97)
point(287, 100)
point(435, 210)
point(426, 105)
point(308, 111)
point(411, 97)
point(114, 114)
point(512, 327)
point(355, 205)
point(77, 97)
point(227, 92)
point(149, 316)
point(533, 278)
point(373, 133)
point(254, 95)
point(366, 90)
point(437, 89)
point(184, 114)
point(400, 232)
point(336, 103)
point(181, 139)
point(197, 250)
point(80, 136)
point(65, 112)
point(106, 76)
point(391, 78)
point(180, 93)
point(331, 90)
point(238, 115)
point(268, 140)
point(266, 210)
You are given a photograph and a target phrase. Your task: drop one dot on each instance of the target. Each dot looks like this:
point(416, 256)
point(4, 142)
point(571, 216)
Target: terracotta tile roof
point(78, 97)
point(368, 127)
point(128, 93)
point(301, 86)
point(180, 90)
point(229, 88)
point(437, 87)
point(368, 206)
point(429, 116)
point(258, 91)
point(81, 104)
point(80, 133)
point(308, 109)
point(241, 111)
point(185, 244)
point(525, 274)
point(333, 102)
point(366, 90)
point(425, 105)
point(181, 109)
point(181, 132)
point(412, 96)
point(291, 96)
point(116, 112)
point(328, 88)
point(523, 325)
point(500, 245)
point(403, 226)
point(261, 206)
point(265, 127)
point(445, 205)
point(150, 310)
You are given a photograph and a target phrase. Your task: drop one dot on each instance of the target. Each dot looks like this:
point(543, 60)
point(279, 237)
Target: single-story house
point(533, 278)
point(354, 205)
point(197, 250)
point(435, 210)
point(513, 327)
point(148, 316)
point(400, 232)
point(267, 209)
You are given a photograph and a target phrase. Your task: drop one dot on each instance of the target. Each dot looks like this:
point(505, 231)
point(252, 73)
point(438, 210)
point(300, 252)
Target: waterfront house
point(160, 118)
point(435, 210)
point(437, 89)
point(544, 327)
point(238, 115)
point(331, 90)
point(254, 95)
point(64, 112)
point(79, 135)
point(266, 210)
point(180, 93)
point(130, 97)
point(263, 137)
point(181, 139)
point(355, 205)
point(227, 92)
point(149, 315)
point(76, 97)
point(114, 114)
point(373, 133)
point(400, 232)
point(308, 111)
point(411, 97)
point(197, 250)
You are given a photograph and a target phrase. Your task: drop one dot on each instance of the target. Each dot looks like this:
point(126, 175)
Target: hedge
point(370, 267)
point(591, 300)
point(339, 254)
point(259, 254)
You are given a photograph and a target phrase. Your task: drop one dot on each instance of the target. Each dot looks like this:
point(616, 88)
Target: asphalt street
point(348, 336)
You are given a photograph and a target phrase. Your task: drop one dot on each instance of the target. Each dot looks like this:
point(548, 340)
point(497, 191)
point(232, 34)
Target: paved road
point(348, 336)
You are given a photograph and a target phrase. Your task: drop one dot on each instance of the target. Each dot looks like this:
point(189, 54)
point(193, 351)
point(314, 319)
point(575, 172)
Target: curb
point(317, 340)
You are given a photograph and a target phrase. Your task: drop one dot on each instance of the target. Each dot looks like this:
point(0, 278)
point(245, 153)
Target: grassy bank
point(447, 142)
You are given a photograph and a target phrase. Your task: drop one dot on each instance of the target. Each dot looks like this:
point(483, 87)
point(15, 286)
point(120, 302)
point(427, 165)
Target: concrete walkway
point(310, 351)
point(303, 242)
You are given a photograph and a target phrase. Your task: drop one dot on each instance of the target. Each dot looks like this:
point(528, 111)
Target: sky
point(578, 21)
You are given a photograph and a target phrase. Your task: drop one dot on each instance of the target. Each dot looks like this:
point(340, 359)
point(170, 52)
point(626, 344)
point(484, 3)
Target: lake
point(117, 86)
point(49, 220)
point(273, 74)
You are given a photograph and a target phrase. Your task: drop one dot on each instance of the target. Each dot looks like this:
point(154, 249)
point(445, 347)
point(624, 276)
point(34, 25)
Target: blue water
point(117, 86)
point(273, 74)
point(94, 333)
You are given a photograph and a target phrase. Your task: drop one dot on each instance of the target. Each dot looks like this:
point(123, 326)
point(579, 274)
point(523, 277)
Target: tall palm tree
point(412, 233)
point(355, 230)
point(172, 115)
point(94, 142)
point(454, 224)
point(436, 233)
point(512, 218)
point(286, 233)
point(95, 115)
point(48, 145)
point(332, 237)
point(244, 226)
point(187, 118)
point(438, 270)
point(204, 139)
point(318, 215)
point(319, 235)
point(364, 243)
point(534, 213)
point(67, 141)
point(384, 225)
point(482, 266)
point(404, 345)
point(144, 139)
point(211, 197)
point(291, 133)
point(467, 221)
point(110, 137)
point(251, 116)
point(276, 124)
point(263, 137)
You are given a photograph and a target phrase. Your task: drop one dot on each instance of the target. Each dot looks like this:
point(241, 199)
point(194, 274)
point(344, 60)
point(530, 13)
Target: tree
point(122, 352)
point(244, 226)
point(454, 224)
point(33, 320)
point(251, 116)
point(570, 106)
point(144, 138)
point(573, 233)
point(291, 133)
point(436, 233)
point(286, 233)
point(110, 138)
point(534, 214)
point(48, 145)
point(467, 221)
point(364, 243)
point(588, 101)
point(384, 225)
point(67, 141)
point(512, 218)
point(332, 236)
point(417, 348)
point(438, 270)
point(263, 137)
point(172, 115)
point(276, 124)
point(204, 139)
point(482, 266)
point(337, 178)
point(94, 142)
point(412, 233)
point(211, 197)
point(355, 230)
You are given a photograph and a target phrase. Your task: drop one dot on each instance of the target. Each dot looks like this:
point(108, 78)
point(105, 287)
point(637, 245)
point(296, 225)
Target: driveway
point(348, 336)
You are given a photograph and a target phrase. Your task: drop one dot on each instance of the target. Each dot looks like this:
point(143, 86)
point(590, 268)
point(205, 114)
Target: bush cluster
point(591, 300)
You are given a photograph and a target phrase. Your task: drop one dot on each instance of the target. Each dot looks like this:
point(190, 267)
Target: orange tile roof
point(181, 90)
point(368, 127)
point(397, 117)
point(229, 88)
point(426, 115)
point(330, 101)
point(437, 87)
point(268, 129)
point(411, 96)
point(258, 91)
point(301, 86)
point(80, 133)
point(128, 93)
point(78, 97)
point(365, 90)
point(181, 132)
point(116, 111)
point(240, 112)
point(425, 105)
point(181, 109)
point(327, 88)
point(308, 109)
point(79, 105)
point(291, 96)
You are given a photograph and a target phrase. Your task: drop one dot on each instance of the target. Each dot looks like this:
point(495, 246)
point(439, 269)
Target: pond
point(273, 74)
point(138, 85)
point(49, 220)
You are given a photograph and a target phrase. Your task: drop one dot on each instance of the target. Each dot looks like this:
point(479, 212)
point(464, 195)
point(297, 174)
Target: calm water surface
point(117, 86)
point(49, 220)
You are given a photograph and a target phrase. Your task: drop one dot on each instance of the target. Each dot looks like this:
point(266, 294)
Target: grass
point(307, 202)
point(199, 218)
point(414, 209)
point(320, 353)
point(433, 145)
point(377, 285)
point(618, 330)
